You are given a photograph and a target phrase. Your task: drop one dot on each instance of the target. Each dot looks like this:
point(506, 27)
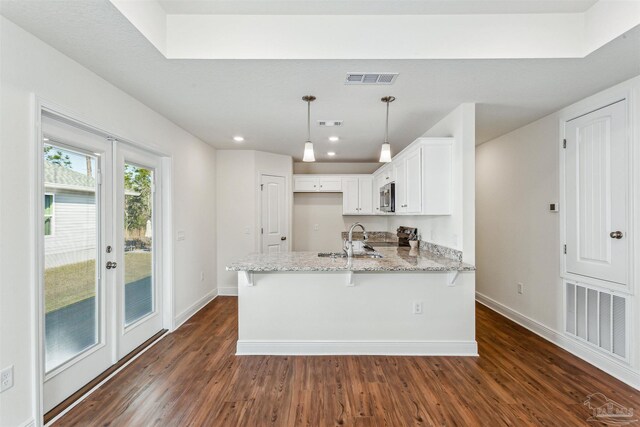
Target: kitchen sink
point(344, 255)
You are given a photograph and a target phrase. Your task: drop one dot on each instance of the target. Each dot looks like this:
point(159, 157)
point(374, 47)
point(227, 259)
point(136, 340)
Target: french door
point(100, 254)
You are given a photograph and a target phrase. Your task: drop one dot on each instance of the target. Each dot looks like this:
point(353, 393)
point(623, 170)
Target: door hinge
point(564, 143)
point(261, 187)
point(261, 230)
point(565, 249)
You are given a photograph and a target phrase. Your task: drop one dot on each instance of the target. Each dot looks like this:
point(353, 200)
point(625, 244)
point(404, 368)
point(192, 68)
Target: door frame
point(288, 207)
point(619, 93)
point(37, 264)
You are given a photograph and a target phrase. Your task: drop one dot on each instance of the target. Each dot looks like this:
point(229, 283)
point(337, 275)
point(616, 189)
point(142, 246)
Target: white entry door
point(596, 194)
point(139, 296)
point(274, 214)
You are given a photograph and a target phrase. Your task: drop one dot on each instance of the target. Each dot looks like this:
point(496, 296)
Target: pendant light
point(385, 152)
point(308, 145)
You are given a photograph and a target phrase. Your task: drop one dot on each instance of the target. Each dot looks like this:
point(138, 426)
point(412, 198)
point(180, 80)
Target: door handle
point(283, 238)
point(111, 265)
point(616, 234)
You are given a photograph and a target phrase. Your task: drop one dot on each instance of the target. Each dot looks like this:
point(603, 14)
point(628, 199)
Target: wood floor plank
point(193, 378)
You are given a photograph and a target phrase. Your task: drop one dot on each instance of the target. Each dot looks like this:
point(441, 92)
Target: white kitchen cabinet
point(408, 176)
point(315, 183)
point(357, 195)
point(437, 179)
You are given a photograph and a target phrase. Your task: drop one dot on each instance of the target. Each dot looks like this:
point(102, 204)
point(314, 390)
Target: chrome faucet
point(349, 243)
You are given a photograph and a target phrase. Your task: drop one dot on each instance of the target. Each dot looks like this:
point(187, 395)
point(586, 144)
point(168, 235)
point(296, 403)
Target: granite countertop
point(394, 259)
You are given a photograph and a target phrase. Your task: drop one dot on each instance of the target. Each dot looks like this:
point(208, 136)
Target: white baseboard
point(194, 308)
point(228, 290)
point(29, 423)
point(616, 369)
point(354, 348)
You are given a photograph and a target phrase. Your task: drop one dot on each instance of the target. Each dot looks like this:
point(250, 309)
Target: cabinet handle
point(616, 234)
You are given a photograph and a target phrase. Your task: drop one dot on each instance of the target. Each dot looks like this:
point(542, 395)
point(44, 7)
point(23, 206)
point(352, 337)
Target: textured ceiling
point(260, 99)
point(372, 7)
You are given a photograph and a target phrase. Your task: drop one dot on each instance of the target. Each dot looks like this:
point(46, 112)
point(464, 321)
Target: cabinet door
point(365, 192)
point(436, 178)
point(331, 184)
point(399, 168)
point(305, 184)
point(350, 197)
point(378, 182)
point(596, 192)
point(413, 183)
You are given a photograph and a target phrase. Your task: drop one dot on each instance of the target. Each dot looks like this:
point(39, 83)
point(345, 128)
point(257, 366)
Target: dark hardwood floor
point(192, 378)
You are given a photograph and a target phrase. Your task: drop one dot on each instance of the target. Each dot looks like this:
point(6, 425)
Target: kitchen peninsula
point(408, 302)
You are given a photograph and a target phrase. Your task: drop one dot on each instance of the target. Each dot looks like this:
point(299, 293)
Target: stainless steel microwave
point(388, 197)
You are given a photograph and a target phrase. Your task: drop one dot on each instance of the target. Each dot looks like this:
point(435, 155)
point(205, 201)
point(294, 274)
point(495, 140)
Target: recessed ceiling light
point(334, 138)
point(331, 153)
point(238, 138)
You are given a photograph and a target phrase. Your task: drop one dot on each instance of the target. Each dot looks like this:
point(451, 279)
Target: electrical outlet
point(6, 378)
point(520, 288)
point(202, 276)
point(417, 307)
point(316, 227)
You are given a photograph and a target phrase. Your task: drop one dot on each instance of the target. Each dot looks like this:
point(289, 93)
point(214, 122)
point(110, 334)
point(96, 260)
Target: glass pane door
point(71, 283)
point(138, 243)
point(137, 223)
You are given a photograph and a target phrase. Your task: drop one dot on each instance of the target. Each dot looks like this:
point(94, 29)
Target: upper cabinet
point(357, 197)
point(437, 176)
point(423, 177)
point(408, 175)
point(316, 183)
point(422, 174)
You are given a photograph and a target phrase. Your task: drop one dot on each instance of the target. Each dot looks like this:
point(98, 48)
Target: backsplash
point(442, 251)
point(374, 236)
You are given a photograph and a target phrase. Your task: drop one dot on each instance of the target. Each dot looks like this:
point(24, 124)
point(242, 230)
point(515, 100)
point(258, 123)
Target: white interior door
point(77, 289)
point(274, 214)
point(596, 194)
point(138, 220)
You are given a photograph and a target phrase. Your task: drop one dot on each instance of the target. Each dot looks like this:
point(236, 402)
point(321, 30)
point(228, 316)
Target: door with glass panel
point(138, 221)
point(76, 286)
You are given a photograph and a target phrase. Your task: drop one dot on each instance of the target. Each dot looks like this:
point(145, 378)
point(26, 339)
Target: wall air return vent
point(370, 78)
point(329, 123)
point(597, 318)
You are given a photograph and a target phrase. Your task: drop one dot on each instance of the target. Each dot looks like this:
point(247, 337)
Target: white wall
point(325, 211)
point(518, 239)
point(458, 229)
point(28, 67)
point(238, 205)
point(335, 167)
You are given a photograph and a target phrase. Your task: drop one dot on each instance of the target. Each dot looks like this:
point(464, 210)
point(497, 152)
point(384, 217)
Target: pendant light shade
point(308, 155)
point(385, 151)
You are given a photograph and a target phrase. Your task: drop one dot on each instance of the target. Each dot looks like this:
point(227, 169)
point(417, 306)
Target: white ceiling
point(369, 7)
point(260, 99)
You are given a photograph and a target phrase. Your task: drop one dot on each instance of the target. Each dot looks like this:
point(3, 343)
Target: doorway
point(101, 285)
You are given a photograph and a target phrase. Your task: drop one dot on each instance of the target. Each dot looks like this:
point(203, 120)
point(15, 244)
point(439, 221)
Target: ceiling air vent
point(329, 123)
point(370, 78)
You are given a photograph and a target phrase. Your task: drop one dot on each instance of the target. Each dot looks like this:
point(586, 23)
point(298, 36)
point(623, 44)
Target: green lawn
point(71, 283)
